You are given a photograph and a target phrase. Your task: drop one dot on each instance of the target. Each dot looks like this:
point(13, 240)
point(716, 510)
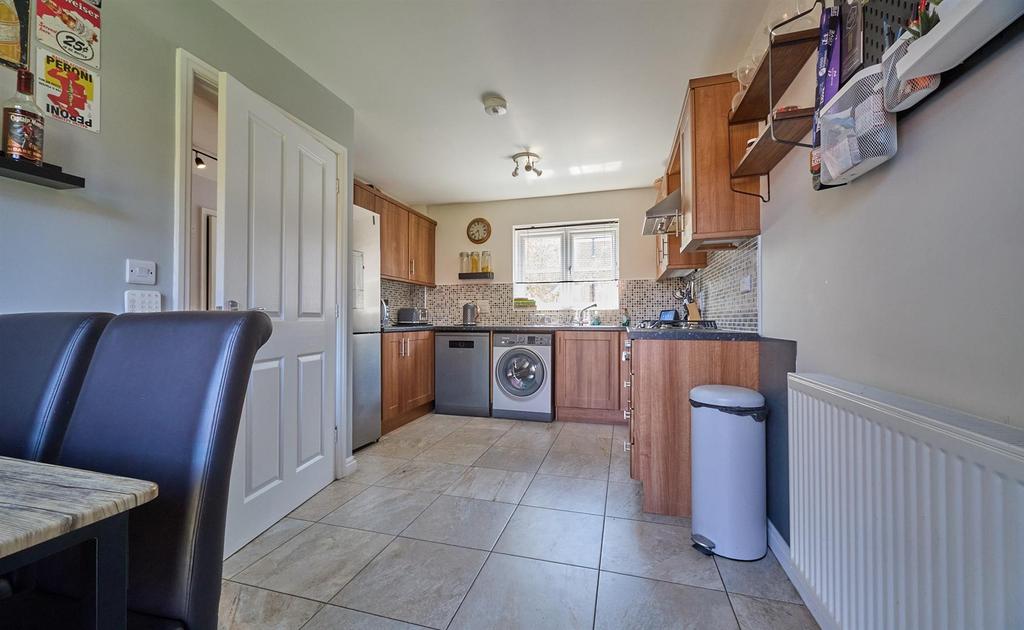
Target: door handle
point(232, 305)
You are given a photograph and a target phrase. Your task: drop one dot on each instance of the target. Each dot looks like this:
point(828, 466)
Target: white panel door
point(276, 253)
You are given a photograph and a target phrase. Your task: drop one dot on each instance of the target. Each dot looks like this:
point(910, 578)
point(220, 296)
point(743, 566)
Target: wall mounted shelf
point(790, 51)
point(476, 275)
point(49, 175)
point(771, 146)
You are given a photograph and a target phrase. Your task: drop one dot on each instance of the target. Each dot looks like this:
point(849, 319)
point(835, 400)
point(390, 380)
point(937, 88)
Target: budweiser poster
point(14, 16)
point(68, 91)
point(71, 27)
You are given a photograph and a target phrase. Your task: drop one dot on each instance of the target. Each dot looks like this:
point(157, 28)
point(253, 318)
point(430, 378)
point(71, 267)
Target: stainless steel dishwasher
point(462, 373)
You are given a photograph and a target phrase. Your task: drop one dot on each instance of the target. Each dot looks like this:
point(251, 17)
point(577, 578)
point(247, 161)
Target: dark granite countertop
point(499, 329)
point(692, 334)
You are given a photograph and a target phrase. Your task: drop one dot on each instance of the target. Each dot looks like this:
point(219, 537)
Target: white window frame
point(566, 256)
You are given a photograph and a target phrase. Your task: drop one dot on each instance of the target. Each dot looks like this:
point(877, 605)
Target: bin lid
point(727, 396)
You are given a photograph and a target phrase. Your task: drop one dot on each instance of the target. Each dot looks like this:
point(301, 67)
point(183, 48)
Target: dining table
point(45, 509)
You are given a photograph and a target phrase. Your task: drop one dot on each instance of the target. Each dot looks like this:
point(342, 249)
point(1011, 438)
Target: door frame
point(188, 68)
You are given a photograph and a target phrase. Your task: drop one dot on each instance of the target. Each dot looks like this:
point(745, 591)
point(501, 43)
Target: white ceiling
point(589, 82)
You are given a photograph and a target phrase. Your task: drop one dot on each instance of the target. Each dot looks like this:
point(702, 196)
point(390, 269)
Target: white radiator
point(903, 514)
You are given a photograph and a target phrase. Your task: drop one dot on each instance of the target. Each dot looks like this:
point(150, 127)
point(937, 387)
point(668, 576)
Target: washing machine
point(522, 377)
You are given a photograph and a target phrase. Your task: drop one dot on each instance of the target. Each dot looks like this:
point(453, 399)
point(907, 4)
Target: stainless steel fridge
point(364, 274)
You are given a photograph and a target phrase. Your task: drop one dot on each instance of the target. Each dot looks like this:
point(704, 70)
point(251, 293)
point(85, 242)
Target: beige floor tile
point(490, 484)
point(588, 428)
point(630, 602)
point(582, 443)
point(491, 423)
point(402, 448)
point(461, 521)
point(414, 581)
point(327, 500)
point(570, 464)
point(383, 510)
point(625, 500)
point(762, 578)
point(426, 476)
point(280, 533)
point(475, 435)
point(537, 427)
point(620, 468)
point(337, 618)
point(766, 614)
point(530, 440)
point(315, 563)
point(452, 453)
point(528, 594)
point(516, 459)
point(567, 493)
point(569, 537)
point(372, 468)
point(620, 432)
point(660, 552)
point(248, 608)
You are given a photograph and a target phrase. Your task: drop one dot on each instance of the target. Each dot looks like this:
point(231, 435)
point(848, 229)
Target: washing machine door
point(520, 373)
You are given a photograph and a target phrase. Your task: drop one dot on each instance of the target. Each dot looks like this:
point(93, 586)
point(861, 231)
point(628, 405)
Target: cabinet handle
point(412, 267)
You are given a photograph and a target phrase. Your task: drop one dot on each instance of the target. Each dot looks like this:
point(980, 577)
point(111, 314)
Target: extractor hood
point(663, 216)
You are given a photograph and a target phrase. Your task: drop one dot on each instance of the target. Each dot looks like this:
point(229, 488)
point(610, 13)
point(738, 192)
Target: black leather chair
point(162, 401)
point(43, 359)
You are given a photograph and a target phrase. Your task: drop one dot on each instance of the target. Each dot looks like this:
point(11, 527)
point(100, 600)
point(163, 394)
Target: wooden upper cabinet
point(394, 240)
point(673, 263)
point(421, 250)
point(715, 217)
point(364, 197)
point(587, 374)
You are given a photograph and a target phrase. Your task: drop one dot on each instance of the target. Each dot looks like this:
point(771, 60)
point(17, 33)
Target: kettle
point(470, 312)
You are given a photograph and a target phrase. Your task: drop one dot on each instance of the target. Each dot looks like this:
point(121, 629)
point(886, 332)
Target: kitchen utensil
point(470, 313)
point(692, 312)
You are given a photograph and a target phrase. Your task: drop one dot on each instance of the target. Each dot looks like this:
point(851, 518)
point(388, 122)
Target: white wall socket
point(484, 306)
point(139, 271)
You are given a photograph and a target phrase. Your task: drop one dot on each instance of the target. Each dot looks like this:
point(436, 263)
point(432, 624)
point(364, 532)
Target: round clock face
point(478, 230)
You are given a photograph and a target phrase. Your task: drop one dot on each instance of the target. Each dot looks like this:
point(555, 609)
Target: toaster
point(412, 315)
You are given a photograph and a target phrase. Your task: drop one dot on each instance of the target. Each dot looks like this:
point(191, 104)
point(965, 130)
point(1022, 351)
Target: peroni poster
point(68, 91)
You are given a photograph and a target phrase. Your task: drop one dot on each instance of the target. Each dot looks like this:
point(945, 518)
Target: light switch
point(139, 271)
point(746, 285)
point(141, 301)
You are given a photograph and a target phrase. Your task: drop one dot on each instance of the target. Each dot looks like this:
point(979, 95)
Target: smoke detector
point(495, 105)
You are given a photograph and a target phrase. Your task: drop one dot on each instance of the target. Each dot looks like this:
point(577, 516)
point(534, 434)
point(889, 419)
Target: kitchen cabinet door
point(394, 240)
point(364, 198)
point(392, 363)
point(587, 375)
point(421, 250)
point(418, 371)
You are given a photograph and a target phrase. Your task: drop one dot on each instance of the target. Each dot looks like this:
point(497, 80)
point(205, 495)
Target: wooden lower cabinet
point(407, 377)
point(663, 373)
point(587, 373)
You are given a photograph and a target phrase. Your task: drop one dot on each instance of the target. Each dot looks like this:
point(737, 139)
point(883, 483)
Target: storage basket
point(857, 133)
point(899, 95)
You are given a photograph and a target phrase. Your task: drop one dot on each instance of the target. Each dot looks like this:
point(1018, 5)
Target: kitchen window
point(567, 266)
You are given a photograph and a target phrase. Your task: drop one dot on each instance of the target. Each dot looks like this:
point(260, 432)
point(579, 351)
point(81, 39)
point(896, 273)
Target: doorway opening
point(202, 219)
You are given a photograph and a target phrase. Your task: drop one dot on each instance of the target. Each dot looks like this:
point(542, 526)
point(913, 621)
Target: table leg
point(108, 608)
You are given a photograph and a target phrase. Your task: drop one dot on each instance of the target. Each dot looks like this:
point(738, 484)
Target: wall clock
point(478, 230)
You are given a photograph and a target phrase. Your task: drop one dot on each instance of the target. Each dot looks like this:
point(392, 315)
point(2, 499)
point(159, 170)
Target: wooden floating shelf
point(49, 175)
point(790, 52)
point(791, 125)
point(476, 275)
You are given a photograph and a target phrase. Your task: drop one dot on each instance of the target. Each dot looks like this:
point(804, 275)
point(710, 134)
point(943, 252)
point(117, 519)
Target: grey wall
point(66, 250)
point(909, 279)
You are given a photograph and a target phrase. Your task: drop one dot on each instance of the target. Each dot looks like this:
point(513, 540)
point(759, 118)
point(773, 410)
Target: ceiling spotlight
point(495, 105)
point(529, 163)
point(199, 162)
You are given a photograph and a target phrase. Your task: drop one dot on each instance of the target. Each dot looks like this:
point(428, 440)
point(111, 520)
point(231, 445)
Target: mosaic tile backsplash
point(719, 284)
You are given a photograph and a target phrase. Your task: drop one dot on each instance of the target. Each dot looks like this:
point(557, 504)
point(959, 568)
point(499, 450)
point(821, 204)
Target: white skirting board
point(349, 466)
point(818, 610)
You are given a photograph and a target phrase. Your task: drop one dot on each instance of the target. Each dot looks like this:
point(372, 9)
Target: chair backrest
point(43, 359)
point(162, 401)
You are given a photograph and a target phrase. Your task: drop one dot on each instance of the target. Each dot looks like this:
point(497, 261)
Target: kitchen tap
point(579, 314)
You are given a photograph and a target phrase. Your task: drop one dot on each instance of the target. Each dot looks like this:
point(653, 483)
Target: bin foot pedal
point(703, 545)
